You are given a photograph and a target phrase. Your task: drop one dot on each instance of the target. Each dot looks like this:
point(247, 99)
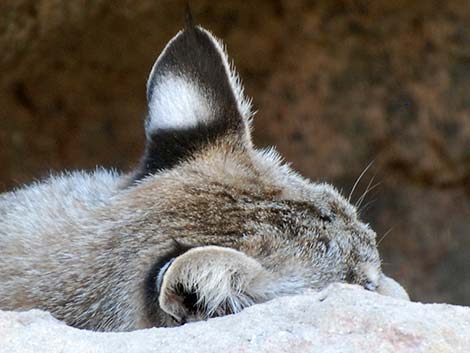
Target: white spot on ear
point(177, 103)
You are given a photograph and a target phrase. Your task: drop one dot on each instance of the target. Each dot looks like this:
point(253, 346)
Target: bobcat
point(205, 226)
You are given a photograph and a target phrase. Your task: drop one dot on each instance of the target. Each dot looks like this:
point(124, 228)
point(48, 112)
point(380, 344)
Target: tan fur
point(81, 245)
point(225, 279)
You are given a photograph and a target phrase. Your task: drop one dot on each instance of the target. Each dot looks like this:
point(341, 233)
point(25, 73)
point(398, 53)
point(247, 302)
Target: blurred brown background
point(337, 84)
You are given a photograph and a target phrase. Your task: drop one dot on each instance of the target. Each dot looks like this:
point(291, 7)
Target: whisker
point(373, 199)
point(361, 198)
point(368, 189)
point(364, 208)
point(385, 234)
point(359, 179)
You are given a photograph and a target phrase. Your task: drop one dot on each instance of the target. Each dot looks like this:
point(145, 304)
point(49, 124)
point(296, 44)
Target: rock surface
point(341, 318)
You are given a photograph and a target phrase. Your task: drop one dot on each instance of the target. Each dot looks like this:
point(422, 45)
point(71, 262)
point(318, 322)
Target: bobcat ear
point(194, 98)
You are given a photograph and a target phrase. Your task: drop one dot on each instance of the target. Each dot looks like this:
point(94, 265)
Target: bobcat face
point(246, 228)
point(317, 237)
point(299, 240)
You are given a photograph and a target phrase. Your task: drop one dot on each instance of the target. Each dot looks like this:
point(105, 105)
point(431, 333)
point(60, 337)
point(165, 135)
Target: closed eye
point(326, 218)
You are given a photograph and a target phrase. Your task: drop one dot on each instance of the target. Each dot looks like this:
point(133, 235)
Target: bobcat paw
point(210, 281)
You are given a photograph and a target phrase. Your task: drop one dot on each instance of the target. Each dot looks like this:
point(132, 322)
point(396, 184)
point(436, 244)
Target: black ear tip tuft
point(188, 17)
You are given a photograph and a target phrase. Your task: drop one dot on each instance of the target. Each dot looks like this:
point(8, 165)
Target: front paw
point(210, 281)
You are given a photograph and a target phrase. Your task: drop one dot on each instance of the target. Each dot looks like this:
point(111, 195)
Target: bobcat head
point(241, 226)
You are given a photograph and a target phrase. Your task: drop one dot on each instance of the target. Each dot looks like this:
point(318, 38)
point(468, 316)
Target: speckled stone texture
point(341, 318)
point(337, 84)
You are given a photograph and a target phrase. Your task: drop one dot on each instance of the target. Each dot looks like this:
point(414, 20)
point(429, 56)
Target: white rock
point(342, 318)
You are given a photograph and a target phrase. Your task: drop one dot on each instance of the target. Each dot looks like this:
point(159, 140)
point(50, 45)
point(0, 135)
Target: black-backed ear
point(194, 98)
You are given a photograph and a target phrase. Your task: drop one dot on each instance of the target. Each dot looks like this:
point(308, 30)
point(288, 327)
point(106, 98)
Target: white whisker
point(385, 234)
point(369, 188)
point(363, 208)
point(359, 179)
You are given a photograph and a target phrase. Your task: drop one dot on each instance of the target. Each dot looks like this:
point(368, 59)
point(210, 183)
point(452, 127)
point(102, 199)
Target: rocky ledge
point(341, 318)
